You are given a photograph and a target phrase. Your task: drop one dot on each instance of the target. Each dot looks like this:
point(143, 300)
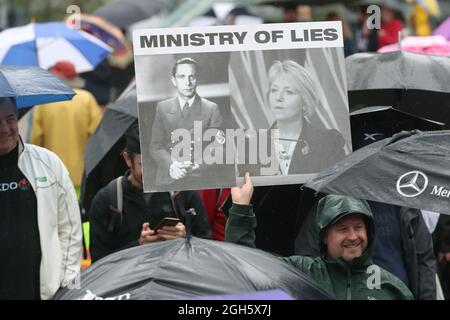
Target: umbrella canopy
point(30, 86)
point(105, 31)
point(443, 29)
point(409, 169)
point(276, 233)
point(182, 269)
point(434, 45)
point(116, 120)
point(397, 70)
point(122, 13)
point(414, 83)
point(111, 35)
point(44, 44)
point(102, 161)
point(376, 123)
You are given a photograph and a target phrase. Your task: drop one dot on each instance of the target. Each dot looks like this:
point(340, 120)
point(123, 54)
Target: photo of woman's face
point(284, 102)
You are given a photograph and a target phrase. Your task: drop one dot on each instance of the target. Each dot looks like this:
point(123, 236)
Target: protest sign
point(215, 102)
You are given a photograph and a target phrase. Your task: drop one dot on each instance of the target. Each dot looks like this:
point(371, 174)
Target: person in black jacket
point(113, 228)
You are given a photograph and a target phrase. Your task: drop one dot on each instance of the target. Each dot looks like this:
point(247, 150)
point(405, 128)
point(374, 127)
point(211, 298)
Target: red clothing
point(213, 200)
point(389, 32)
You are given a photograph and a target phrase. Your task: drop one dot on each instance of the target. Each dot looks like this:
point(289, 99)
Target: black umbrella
point(376, 123)
point(102, 161)
point(276, 232)
point(182, 269)
point(410, 169)
point(123, 13)
point(415, 83)
point(117, 118)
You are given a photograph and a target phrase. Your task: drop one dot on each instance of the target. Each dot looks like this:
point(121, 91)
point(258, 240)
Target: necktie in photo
point(185, 110)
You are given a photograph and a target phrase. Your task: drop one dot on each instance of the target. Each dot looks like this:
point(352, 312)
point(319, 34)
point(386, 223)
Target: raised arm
point(241, 223)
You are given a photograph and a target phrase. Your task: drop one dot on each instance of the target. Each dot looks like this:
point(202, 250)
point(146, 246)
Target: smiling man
point(347, 237)
point(344, 268)
point(40, 227)
point(9, 131)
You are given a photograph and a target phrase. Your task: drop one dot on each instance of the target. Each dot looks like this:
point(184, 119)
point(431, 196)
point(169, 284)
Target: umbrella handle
point(189, 213)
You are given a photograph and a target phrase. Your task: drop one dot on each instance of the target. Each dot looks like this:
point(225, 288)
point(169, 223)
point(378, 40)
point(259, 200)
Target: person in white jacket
point(40, 225)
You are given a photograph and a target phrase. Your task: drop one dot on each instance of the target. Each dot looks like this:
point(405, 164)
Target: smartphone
point(167, 221)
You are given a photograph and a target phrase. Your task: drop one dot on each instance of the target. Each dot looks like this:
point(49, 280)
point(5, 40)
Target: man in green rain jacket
point(347, 234)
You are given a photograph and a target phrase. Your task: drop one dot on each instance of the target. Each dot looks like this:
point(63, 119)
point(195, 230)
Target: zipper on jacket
point(349, 284)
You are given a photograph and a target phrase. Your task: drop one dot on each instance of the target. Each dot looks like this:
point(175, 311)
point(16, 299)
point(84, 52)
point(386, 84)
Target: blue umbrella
point(30, 86)
point(44, 44)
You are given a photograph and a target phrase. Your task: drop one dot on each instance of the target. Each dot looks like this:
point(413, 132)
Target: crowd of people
point(335, 240)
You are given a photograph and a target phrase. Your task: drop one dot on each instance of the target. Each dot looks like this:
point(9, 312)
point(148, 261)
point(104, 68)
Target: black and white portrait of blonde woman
point(293, 97)
point(295, 144)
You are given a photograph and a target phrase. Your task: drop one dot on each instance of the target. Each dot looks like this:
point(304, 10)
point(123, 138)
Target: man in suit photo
point(181, 114)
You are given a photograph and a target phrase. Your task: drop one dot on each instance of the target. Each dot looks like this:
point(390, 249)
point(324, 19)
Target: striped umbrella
point(44, 44)
point(111, 35)
point(105, 31)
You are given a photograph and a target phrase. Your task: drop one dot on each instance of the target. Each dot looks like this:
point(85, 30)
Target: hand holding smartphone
point(167, 221)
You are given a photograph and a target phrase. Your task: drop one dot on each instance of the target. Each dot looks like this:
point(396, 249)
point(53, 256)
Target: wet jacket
point(58, 217)
point(359, 279)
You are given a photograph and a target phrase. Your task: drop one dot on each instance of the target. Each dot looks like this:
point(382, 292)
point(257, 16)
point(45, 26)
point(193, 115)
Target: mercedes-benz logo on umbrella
point(412, 183)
